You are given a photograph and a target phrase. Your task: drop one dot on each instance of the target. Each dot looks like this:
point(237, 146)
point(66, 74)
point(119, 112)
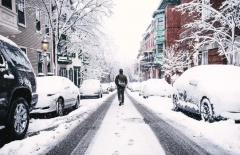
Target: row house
point(27, 25)
point(165, 28)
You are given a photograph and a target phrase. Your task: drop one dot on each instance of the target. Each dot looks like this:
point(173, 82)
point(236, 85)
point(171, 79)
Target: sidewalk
point(123, 132)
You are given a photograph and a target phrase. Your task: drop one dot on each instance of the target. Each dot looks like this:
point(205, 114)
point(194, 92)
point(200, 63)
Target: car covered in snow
point(105, 88)
point(56, 94)
point(154, 87)
point(112, 86)
point(134, 86)
point(17, 88)
point(91, 88)
point(211, 91)
point(141, 88)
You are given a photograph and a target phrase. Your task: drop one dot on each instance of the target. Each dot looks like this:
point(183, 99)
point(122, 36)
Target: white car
point(112, 86)
point(91, 88)
point(211, 91)
point(141, 88)
point(105, 88)
point(135, 86)
point(167, 88)
point(56, 93)
point(154, 87)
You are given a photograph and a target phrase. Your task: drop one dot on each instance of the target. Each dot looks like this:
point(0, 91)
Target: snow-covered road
point(123, 131)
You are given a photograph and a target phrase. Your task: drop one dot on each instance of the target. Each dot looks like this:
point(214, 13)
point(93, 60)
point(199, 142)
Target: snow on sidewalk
point(123, 132)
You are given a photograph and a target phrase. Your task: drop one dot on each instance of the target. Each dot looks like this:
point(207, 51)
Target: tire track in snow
point(172, 140)
point(79, 139)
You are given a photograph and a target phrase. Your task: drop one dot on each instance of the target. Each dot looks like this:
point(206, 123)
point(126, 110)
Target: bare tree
point(214, 26)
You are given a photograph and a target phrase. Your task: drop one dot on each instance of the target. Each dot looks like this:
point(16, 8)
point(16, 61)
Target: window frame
point(24, 12)
point(38, 31)
point(39, 51)
point(46, 19)
point(10, 8)
point(204, 58)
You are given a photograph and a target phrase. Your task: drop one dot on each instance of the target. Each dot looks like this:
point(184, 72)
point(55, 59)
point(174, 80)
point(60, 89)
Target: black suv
point(17, 89)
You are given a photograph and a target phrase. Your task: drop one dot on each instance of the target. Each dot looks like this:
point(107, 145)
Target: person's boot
point(120, 104)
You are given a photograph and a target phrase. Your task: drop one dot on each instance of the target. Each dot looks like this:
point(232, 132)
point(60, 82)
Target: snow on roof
point(8, 41)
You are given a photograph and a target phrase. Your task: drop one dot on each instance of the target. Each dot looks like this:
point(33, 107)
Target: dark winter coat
point(121, 77)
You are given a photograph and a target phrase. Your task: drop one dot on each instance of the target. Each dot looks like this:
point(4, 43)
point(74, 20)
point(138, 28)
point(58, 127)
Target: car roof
point(4, 39)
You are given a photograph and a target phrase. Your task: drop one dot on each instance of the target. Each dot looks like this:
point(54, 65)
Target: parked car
point(91, 88)
point(135, 86)
point(167, 88)
point(211, 91)
point(141, 88)
point(17, 88)
point(105, 88)
point(112, 86)
point(154, 87)
point(55, 94)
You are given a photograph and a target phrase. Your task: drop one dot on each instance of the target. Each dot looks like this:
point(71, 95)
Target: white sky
point(129, 21)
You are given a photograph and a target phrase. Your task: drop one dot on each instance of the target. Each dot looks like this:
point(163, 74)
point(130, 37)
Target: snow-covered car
point(154, 87)
point(56, 93)
point(135, 86)
point(112, 86)
point(105, 88)
point(91, 88)
point(211, 91)
point(167, 88)
point(141, 88)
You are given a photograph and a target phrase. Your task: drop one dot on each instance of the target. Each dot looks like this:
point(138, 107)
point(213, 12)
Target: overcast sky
point(129, 21)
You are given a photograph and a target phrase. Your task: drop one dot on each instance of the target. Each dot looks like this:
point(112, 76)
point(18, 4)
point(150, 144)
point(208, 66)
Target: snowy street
point(141, 126)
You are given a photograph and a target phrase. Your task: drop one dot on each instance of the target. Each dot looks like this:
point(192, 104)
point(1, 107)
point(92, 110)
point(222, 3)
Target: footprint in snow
point(130, 142)
point(117, 134)
point(115, 153)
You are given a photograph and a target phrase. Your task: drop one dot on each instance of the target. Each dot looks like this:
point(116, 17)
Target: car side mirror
point(193, 82)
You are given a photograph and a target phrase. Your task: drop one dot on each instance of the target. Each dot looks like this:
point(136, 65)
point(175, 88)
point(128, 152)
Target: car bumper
point(46, 108)
point(34, 101)
point(231, 115)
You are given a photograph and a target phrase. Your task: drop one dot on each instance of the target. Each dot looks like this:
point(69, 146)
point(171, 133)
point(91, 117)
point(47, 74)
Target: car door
point(6, 86)
point(67, 93)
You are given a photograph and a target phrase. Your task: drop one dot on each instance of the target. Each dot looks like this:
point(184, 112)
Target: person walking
point(121, 82)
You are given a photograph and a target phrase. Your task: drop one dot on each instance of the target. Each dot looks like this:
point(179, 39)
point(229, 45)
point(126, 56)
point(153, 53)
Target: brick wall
point(172, 28)
point(215, 58)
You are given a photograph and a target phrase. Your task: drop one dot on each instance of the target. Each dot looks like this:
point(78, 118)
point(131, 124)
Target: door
point(5, 86)
point(68, 99)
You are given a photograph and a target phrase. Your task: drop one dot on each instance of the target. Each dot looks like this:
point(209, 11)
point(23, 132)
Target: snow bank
point(225, 134)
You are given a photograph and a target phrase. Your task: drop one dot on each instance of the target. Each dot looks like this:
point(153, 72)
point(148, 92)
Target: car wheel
point(18, 119)
point(77, 104)
point(206, 111)
point(174, 101)
point(60, 107)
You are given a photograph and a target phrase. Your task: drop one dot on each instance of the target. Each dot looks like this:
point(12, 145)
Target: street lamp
point(45, 45)
point(196, 42)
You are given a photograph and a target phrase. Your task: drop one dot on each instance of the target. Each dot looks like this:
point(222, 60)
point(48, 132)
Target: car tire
point(206, 111)
point(174, 101)
point(76, 106)
point(60, 107)
point(18, 119)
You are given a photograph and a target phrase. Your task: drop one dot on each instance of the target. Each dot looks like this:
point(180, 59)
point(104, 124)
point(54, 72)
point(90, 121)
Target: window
point(39, 60)
point(2, 61)
point(205, 12)
point(47, 25)
point(204, 57)
point(21, 12)
point(7, 4)
point(24, 50)
point(38, 25)
point(49, 63)
point(160, 48)
point(63, 72)
point(71, 74)
point(161, 23)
